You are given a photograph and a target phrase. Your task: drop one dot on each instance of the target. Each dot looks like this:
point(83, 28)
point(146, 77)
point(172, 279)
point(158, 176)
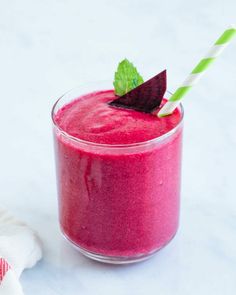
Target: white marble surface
point(48, 47)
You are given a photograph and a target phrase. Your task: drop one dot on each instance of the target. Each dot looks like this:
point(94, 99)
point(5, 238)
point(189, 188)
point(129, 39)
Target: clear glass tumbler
point(117, 203)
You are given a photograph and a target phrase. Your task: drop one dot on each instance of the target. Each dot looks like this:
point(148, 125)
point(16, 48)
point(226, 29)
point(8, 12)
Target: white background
point(48, 47)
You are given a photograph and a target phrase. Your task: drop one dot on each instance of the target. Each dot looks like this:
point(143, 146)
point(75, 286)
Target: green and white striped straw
point(198, 71)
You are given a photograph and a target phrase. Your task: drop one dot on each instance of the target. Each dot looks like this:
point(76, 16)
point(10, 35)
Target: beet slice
point(146, 97)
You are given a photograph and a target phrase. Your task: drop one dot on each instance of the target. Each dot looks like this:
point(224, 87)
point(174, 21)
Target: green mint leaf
point(126, 78)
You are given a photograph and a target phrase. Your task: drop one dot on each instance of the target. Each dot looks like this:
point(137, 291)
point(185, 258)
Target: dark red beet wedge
point(146, 97)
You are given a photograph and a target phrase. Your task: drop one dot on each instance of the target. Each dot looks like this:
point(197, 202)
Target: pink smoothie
point(117, 201)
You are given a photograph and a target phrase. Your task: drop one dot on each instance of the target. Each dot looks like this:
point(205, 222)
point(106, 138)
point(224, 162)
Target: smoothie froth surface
point(90, 118)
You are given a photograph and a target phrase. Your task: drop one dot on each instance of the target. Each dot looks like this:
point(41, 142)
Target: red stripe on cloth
point(4, 267)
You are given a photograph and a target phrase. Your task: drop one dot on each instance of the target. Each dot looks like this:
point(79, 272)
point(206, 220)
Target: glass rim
point(105, 145)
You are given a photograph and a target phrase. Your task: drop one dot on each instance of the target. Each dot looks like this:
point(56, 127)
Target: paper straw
point(198, 71)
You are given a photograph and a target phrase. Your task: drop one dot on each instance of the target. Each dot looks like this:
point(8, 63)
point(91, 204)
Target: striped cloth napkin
point(19, 249)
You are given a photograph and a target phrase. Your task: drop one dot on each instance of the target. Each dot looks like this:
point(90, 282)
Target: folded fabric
point(19, 249)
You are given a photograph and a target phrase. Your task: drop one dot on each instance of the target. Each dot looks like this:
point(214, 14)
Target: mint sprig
point(126, 78)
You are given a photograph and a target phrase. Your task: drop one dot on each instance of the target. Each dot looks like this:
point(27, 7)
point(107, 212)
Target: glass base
point(112, 259)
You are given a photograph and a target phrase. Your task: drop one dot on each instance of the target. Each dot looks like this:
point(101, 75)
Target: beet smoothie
point(118, 176)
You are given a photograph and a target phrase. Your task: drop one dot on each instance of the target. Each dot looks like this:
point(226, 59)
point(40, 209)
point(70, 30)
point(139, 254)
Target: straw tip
point(162, 115)
point(232, 26)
